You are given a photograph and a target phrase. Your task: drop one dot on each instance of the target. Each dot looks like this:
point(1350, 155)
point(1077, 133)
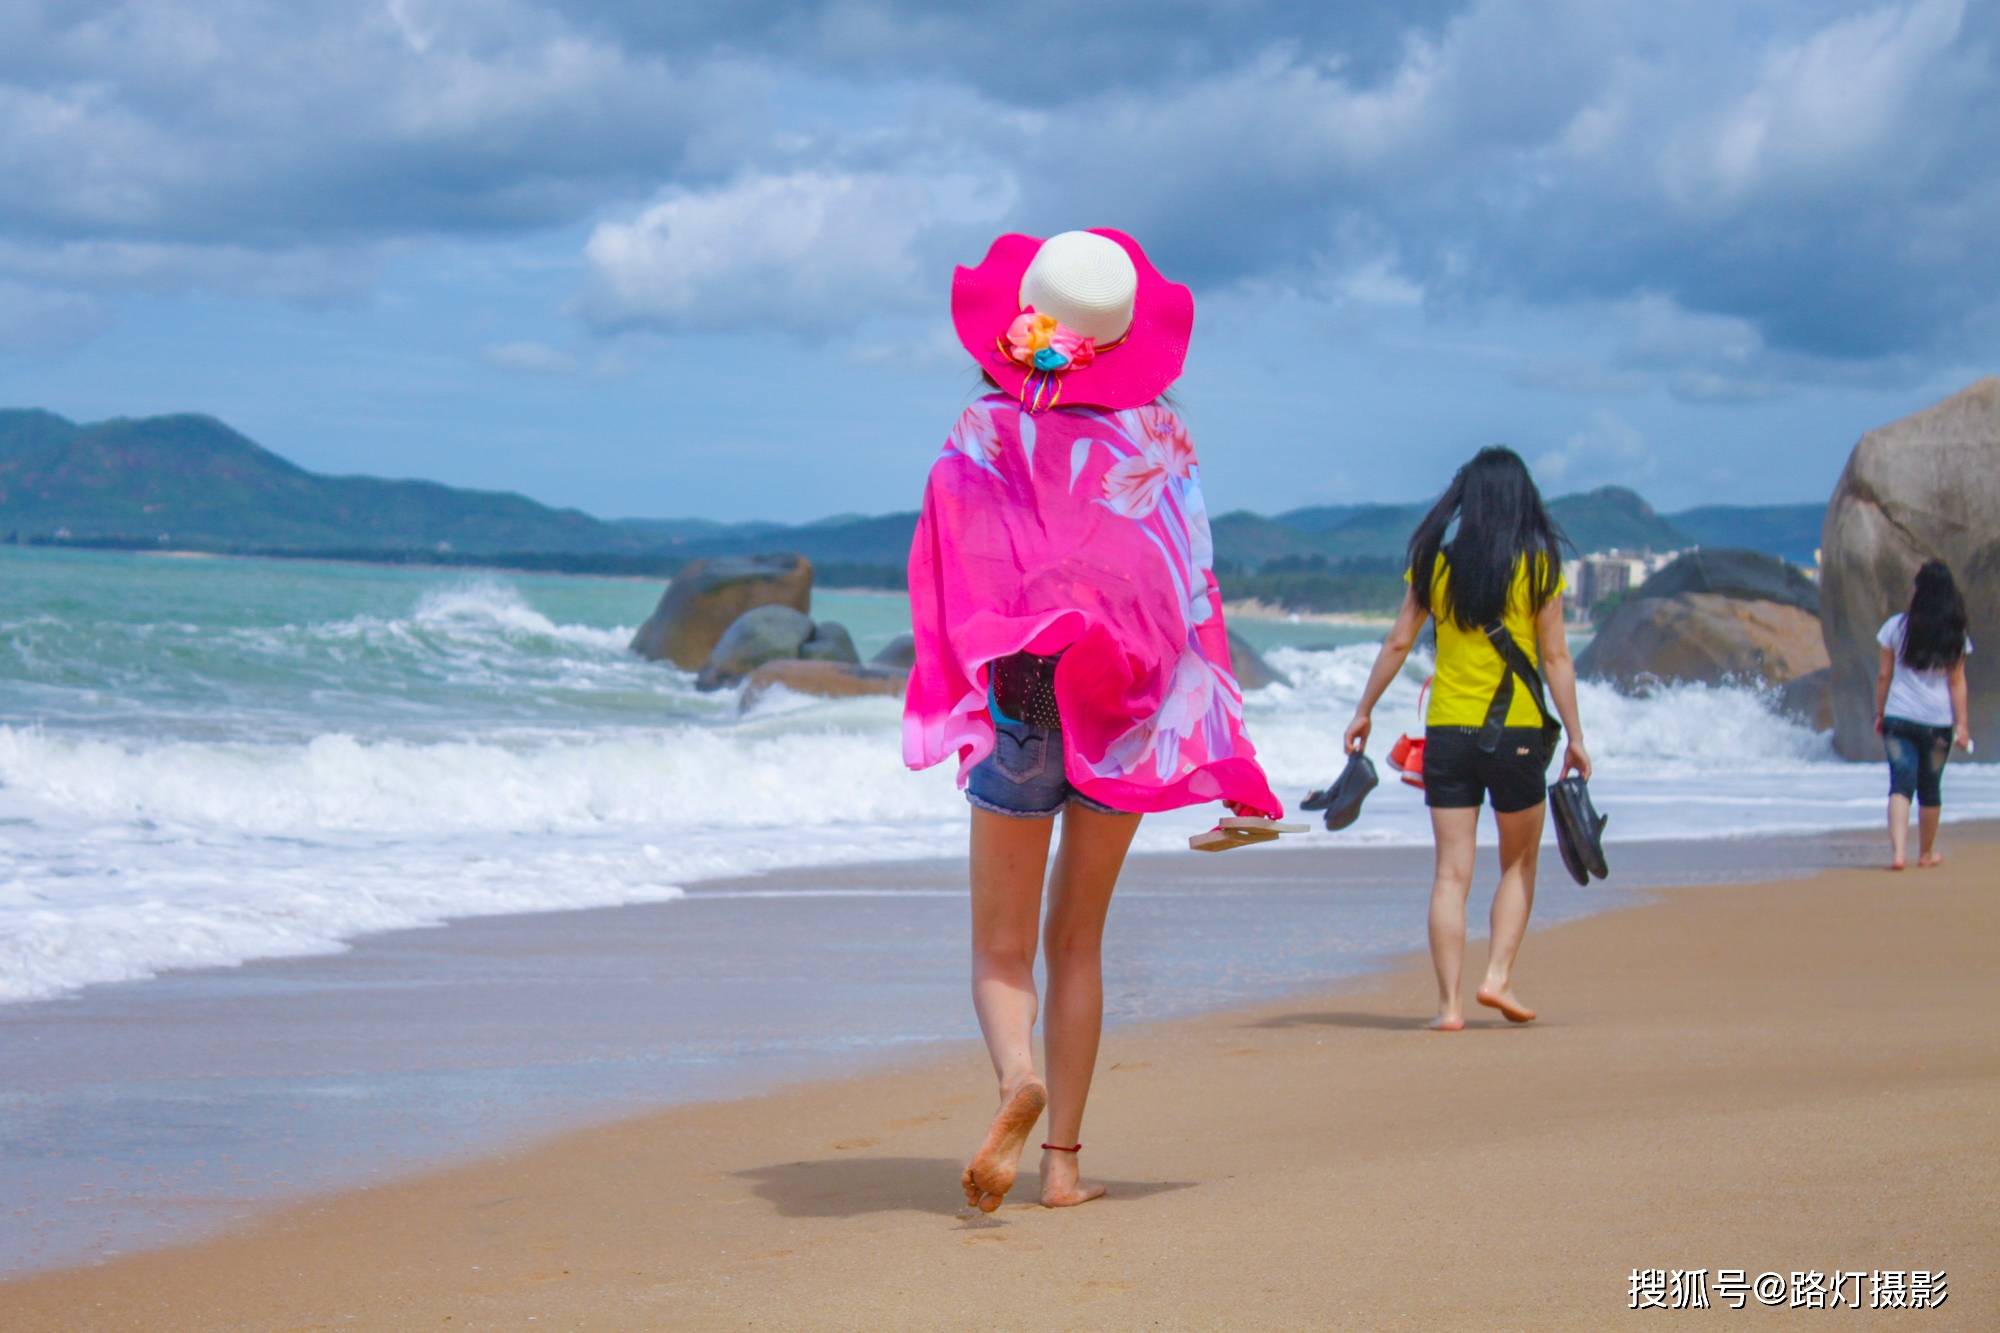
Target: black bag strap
point(1517, 664)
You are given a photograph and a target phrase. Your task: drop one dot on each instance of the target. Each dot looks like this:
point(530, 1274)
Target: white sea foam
point(196, 790)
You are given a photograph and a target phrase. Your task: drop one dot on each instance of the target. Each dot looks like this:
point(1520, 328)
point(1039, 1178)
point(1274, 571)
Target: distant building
point(1601, 574)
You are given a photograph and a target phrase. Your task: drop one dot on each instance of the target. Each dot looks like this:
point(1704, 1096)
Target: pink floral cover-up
point(1079, 531)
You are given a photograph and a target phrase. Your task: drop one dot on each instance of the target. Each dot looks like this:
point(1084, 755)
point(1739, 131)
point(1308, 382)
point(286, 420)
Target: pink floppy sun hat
point(1080, 319)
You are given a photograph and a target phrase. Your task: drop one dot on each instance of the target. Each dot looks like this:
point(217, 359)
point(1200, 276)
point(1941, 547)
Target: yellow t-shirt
point(1468, 669)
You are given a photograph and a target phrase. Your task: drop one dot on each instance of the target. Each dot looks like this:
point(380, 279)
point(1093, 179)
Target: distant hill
point(679, 531)
point(190, 480)
point(1788, 531)
point(193, 481)
point(1613, 517)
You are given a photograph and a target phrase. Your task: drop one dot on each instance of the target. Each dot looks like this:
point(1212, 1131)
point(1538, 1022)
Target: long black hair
point(1934, 630)
point(1500, 522)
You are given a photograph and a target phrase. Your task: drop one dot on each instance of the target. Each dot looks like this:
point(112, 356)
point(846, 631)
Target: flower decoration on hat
point(1046, 350)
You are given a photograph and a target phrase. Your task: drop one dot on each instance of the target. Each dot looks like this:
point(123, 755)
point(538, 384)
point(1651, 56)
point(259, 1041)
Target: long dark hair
point(1934, 629)
point(1500, 522)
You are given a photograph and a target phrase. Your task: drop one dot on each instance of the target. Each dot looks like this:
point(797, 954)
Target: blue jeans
point(1917, 756)
point(1023, 778)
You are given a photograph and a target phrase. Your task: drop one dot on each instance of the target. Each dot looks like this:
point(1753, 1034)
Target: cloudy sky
point(665, 259)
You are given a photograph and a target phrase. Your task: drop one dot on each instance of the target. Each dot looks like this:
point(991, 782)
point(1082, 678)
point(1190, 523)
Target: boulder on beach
point(1251, 670)
point(761, 634)
point(900, 653)
point(1809, 699)
point(829, 642)
point(1703, 637)
point(708, 596)
point(1750, 575)
point(826, 680)
point(1926, 487)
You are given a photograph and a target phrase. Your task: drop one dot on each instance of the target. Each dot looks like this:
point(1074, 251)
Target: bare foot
point(1896, 864)
point(1929, 859)
point(990, 1173)
point(1510, 1008)
point(1061, 1187)
point(1446, 1022)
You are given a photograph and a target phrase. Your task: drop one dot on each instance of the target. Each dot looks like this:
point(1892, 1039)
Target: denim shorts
point(1023, 778)
point(1917, 756)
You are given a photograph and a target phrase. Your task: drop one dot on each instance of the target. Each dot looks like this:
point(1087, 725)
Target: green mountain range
point(192, 482)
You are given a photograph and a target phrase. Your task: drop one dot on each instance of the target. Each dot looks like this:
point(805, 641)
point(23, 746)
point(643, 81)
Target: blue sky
point(660, 259)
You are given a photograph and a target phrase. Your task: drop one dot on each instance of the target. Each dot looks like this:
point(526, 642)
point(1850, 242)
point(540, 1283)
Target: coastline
point(1252, 609)
point(1575, 973)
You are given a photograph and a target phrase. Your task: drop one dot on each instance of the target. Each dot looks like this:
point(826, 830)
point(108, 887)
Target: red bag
point(1406, 756)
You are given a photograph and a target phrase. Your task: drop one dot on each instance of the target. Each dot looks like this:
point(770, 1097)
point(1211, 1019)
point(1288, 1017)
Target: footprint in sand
point(911, 1122)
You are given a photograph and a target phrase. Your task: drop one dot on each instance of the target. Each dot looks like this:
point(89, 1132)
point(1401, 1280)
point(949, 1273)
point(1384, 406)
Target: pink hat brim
point(987, 299)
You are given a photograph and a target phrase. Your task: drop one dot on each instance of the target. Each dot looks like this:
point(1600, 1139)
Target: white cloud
point(1849, 94)
point(804, 249)
point(36, 319)
point(1605, 450)
point(1377, 282)
point(309, 274)
point(529, 357)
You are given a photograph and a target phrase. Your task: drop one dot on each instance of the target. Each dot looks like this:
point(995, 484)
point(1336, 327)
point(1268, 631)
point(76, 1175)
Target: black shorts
point(1458, 774)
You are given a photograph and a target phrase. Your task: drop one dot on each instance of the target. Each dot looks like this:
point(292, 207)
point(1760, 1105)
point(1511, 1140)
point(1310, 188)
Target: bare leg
point(1087, 864)
point(1454, 832)
point(1899, 830)
point(1520, 855)
point(1009, 857)
point(1927, 827)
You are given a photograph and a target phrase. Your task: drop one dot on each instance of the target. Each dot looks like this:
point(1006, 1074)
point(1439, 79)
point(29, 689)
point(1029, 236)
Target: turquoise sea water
point(205, 761)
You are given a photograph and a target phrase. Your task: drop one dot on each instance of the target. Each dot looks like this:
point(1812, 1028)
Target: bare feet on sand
point(1061, 1187)
point(1446, 1022)
point(990, 1174)
point(1896, 864)
point(1502, 998)
point(1929, 859)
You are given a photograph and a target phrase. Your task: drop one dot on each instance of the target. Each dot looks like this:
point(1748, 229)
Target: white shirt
point(1922, 697)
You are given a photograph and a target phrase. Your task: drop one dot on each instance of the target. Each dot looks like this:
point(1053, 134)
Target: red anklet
point(1057, 1147)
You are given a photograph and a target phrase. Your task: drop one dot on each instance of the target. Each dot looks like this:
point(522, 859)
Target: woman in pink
point(1070, 651)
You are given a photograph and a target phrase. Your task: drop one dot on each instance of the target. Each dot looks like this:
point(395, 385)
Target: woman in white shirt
point(1920, 709)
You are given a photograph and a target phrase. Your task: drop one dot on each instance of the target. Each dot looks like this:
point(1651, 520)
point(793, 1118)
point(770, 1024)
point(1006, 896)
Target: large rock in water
point(1704, 637)
point(762, 634)
point(1809, 700)
point(1251, 670)
point(830, 642)
point(899, 653)
point(1926, 487)
point(707, 596)
point(827, 680)
point(1751, 575)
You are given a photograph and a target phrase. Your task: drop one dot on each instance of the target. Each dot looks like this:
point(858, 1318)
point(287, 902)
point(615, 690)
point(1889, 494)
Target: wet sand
point(1800, 1075)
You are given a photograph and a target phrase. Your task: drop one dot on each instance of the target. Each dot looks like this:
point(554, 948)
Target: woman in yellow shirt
point(1486, 564)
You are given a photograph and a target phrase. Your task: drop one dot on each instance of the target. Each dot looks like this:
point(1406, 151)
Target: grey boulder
point(708, 596)
point(762, 634)
point(1751, 575)
point(899, 653)
point(1926, 487)
point(1705, 638)
point(1251, 670)
point(829, 642)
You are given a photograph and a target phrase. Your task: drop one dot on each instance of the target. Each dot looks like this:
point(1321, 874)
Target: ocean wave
point(177, 794)
point(678, 776)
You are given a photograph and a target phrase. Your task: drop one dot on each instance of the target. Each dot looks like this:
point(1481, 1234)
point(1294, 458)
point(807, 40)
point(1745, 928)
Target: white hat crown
point(1085, 282)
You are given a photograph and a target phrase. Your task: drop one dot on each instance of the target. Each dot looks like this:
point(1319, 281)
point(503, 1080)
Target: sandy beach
point(1801, 1075)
